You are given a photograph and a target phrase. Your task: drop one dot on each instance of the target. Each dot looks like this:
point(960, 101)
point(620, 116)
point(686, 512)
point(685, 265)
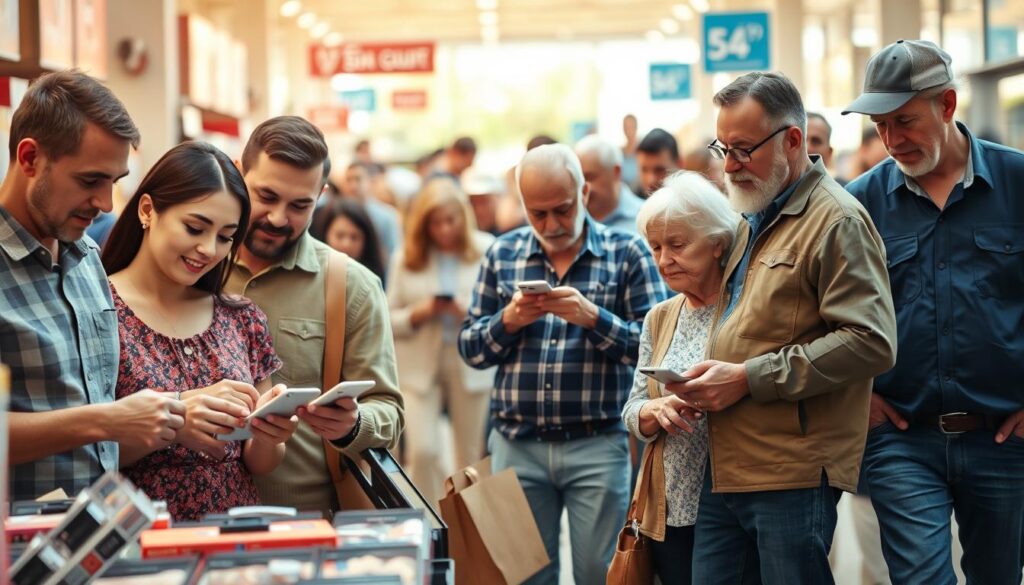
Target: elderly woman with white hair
point(689, 225)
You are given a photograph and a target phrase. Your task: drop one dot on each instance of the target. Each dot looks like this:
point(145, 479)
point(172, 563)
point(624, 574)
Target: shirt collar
point(976, 168)
point(17, 243)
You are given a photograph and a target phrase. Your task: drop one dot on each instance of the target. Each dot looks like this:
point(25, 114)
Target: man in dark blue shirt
point(947, 422)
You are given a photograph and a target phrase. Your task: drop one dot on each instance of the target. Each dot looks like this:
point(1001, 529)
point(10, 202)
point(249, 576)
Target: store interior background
point(503, 71)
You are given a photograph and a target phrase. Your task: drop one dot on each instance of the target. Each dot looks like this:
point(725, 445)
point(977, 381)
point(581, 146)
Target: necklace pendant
point(188, 350)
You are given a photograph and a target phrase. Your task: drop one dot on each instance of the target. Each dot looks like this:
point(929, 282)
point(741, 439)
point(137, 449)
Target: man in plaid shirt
point(69, 144)
point(565, 358)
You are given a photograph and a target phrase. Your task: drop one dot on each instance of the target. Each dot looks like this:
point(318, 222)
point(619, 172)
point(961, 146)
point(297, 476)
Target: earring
point(145, 225)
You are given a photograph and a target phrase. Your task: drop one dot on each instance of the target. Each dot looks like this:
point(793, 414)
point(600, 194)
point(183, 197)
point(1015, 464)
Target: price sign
point(670, 81)
point(736, 41)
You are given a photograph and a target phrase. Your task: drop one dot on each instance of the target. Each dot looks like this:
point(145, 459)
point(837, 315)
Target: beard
point(564, 243)
point(61, 230)
point(929, 160)
point(268, 251)
point(761, 193)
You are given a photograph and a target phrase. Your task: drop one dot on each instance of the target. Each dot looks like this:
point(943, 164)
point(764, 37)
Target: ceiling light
point(489, 18)
point(669, 26)
point(489, 34)
point(654, 36)
point(291, 8)
point(319, 30)
point(482, 5)
point(333, 39)
point(701, 6)
point(306, 20)
point(682, 12)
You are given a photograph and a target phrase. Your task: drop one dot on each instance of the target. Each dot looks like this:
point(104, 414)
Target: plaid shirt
point(58, 334)
point(553, 373)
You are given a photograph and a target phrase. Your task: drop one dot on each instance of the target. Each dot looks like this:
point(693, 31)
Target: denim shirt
point(957, 279)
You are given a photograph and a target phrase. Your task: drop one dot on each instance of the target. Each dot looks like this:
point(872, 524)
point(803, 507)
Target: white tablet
point(353, 390)
point(285, 405)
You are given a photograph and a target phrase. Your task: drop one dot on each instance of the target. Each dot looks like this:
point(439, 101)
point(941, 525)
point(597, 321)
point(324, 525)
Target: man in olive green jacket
point(804, 322)
point(282, 269)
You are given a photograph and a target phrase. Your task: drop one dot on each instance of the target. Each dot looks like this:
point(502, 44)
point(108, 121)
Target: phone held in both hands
point(663, 375)
point(534, 287)
point(289, 401)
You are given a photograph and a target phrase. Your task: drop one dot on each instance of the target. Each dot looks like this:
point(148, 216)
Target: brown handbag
point(632, 563)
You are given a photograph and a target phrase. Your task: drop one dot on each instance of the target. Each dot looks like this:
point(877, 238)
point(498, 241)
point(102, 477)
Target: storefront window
point(1011, 102)
point(962, 27)
point(1005, 39)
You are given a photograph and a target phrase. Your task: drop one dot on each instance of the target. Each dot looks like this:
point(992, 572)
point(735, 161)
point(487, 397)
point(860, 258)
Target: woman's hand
point(240, 393)
point(274, 429)
point(669, 413)
point(209, 415)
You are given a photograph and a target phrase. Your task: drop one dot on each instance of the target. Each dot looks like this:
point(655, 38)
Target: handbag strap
point(335, 283)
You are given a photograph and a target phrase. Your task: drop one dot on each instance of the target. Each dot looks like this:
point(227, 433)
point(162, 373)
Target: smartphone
point(285, 404)
point(534, 287)
point(663, 375)
point(445, 298)
point(353, 390)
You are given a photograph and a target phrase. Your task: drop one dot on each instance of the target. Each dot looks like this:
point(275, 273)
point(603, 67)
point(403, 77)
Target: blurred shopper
point(690, 228)
point(345, 226)
point(630, 174)
point(657, 156)
point(175, 244)
point(565, 358)
point(870, 152)
point(611, 201)
point(283, 270)
point(700, 161)
point(69, 143)
point(819, 141)
point(358, 187)
point(361, 153)
point(457, 158)
point(485, 194)
point(947, 423)
point(800, 331)
point(426, 165)
point(432, 279)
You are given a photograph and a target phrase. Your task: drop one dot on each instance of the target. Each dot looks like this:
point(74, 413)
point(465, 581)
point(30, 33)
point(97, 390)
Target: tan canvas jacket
point(813, 326)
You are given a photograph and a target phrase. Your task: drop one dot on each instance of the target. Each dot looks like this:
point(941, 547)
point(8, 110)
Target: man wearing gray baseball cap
point(947, 422)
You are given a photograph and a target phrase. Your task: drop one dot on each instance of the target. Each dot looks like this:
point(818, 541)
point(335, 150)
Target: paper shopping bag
point(492, 536)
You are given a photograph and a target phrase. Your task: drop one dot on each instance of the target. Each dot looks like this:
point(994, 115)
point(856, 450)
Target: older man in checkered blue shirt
point(565, 358)
point(70, 139)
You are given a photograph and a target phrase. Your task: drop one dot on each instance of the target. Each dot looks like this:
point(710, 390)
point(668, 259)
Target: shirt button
point(942, 265)
point(945, 330)
point(942, 219)
point(547, 386)
point(1008, 247)
point(554, 342)
point(88, 376)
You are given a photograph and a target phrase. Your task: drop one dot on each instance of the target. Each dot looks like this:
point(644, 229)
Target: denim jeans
point(673, 558)
point(920, 476)
point(775, 537)
point(588, 477)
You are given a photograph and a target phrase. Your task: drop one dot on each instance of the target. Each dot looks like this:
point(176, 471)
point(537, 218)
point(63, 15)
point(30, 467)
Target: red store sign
point(371, 58)
point(409, 99)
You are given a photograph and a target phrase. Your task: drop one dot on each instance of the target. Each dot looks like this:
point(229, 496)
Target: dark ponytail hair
point(184, 173)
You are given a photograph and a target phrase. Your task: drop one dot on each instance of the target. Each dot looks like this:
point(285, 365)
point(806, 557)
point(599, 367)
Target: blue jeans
point(920, 476)
point(588, 477)
point(775, 538)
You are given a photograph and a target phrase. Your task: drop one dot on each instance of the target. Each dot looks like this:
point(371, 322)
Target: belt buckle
point(942, 423)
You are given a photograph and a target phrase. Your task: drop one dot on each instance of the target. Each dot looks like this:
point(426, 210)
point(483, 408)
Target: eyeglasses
point(738, 154)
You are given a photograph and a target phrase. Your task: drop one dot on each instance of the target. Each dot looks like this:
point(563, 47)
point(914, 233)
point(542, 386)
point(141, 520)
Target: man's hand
point(521, 311)
point(147, 418)
point(240, 393)
point(715, 385)
point(669, 413)
point(568, 303)
point(882, 411)
point(334, 421)
point(1013, 424)
point(274, 429)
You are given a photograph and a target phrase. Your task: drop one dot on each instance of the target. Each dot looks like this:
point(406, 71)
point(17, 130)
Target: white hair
point(608, 155)
point(552, 158)
point(687, 198)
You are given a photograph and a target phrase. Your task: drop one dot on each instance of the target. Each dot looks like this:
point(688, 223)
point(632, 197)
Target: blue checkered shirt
point(553, 373)
point(58, 334)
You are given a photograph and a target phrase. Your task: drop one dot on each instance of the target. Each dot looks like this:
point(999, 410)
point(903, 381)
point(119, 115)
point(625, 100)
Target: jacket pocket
point(771, 297)
point(904, 268)
point(300, 345)
point(999, 266)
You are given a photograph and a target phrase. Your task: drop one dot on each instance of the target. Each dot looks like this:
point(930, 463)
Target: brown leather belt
point(954, 423)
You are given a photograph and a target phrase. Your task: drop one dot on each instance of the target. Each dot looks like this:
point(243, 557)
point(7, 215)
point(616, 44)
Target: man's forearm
point(35, 435)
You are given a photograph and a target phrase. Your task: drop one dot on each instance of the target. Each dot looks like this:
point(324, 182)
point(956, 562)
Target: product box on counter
point(368, 560)
point(210, 539)
point(171, 571)
point(278, 567)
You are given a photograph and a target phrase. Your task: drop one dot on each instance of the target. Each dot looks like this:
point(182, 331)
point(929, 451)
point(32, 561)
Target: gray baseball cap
point(898, 72)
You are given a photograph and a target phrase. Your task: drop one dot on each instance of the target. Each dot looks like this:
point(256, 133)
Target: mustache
point(277, 231)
